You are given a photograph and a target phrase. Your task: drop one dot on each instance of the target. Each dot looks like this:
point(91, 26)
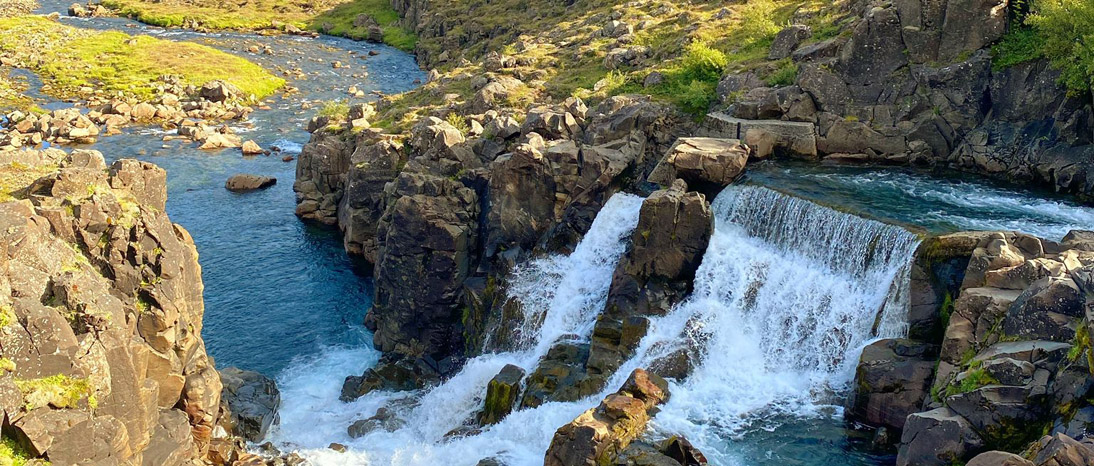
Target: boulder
point(219, 91)
point(601, 434)
point(245, 182)
point(502, 394)
point(252, 148)
point(706, 164)
point(937, 437)
point(892, 380)
point(787, 40)
point(998, 458)
point(252, 399)
point(1061, 450)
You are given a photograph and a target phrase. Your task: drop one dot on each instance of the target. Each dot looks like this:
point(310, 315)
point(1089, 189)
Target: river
point(283, 298)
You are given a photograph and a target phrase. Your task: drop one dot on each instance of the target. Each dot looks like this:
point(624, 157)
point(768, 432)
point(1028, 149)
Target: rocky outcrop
point(252, 400)
point(601, 434)
point(502, 394)
point(101, 312)
point(1012, 361)
point(673, 229)
point(706, 164)
point(913, 82)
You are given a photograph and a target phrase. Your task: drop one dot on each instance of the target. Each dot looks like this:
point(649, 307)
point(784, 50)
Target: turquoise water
point(276, 289)
point(283, 298)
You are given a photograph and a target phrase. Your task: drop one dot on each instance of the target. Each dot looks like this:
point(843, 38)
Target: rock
point(998, 458)
point(251, 148)
point(384, 418)
point(143, 111)
point(425, 238)
point(501, 395)
point(214, 141)
point(1078, 239)
point(787, 40)
point(797, 139)
point(892, 380)
point(244, 182)
point(706, 164)
point(937, 437)
point(1061, 450)
point(338, 447)
point(252, 399)
point(219, 91)
point(600, 434)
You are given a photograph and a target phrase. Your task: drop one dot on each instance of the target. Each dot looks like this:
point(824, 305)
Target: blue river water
point(276, 288)
point(283, 298)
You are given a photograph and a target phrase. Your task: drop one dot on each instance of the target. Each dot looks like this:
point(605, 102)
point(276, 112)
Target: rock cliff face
point(912, 82)
point(1011, 365)
point(101, 313)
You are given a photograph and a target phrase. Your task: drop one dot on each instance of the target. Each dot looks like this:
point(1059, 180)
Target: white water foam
point(561, 296)
point(786, 297)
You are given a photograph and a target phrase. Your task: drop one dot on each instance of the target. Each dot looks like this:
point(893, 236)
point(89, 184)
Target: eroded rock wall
point(101, 301)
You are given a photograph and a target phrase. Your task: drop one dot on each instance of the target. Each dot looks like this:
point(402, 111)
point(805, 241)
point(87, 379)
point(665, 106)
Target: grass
point(974, 379)
point(16, 177)
point(58, 391)
point(69, 59)
point(339, 21)
point(333, 17)
point(335, 109)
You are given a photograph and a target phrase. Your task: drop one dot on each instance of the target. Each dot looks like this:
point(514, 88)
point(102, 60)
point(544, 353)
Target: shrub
point(784, 75)
point(702, 63)
point(1066, 30)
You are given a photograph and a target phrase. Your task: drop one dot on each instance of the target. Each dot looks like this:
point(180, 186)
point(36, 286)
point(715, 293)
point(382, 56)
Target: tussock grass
point(69, 59)
point(251, 15)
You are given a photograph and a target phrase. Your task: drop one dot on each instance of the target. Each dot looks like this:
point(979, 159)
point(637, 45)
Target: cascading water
point(561, 296)
point(787, 295)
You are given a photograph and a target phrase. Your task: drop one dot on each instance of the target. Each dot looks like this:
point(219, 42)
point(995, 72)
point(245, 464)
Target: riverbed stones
point(252, 400)
point(706, 164)
point(245, 182)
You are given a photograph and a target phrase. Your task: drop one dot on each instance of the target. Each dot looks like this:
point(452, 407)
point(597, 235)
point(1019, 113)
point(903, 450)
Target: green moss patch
point(70, 60)
point(335, 17)
point(13, 454)
point(58, 391)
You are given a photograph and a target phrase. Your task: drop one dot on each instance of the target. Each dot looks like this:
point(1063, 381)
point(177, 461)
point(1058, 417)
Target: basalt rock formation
point(101, 316)
point(1011, 365)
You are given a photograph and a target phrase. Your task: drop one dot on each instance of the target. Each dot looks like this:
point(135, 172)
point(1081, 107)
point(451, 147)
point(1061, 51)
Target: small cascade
point(786, 297)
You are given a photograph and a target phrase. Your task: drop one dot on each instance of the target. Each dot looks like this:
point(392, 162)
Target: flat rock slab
point(790, 137)
point(244, 183)
point(701, 161)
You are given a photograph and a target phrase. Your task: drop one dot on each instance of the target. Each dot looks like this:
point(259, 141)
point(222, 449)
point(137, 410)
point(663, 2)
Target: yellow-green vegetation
point(974, 379)
point(12, 97)
point(342, 21)
point(69, 59)
point(1061, 31)
point(13, 454)
point(334, 109)
point(560, 51)
point(7, 365)
point(59, 391)
point(335, 17)
point(16, 177)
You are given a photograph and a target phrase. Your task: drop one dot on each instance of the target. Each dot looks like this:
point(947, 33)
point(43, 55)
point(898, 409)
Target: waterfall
point(560, 295)
point(787, 295)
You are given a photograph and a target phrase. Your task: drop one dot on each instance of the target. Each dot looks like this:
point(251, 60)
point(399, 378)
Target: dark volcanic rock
point(252, 399)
